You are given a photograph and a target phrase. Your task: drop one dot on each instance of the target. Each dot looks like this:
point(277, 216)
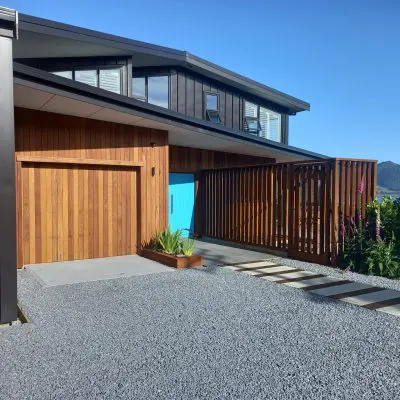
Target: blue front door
point(181, 202)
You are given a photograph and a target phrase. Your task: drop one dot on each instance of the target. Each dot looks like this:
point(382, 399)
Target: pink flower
point(361, 187)
point(342, 228)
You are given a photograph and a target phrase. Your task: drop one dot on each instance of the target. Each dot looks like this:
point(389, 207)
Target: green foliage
point(372, 245)
point(187, 247)
point(170, 242)
point(382, 259)
point(354, 254)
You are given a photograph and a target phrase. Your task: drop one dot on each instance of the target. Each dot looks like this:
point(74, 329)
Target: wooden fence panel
point(301, 208)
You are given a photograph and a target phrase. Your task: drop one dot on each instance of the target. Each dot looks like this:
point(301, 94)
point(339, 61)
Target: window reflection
point(158, 90)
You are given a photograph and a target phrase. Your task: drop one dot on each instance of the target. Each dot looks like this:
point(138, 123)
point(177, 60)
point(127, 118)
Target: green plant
point(168, 242)
point(382, 259)
point(187, 247)
point(371, 245)
point(354, 253)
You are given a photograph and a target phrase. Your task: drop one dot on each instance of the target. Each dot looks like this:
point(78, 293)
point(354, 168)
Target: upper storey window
point(152, 89)
point(211, 102)
point(251, 120)
point(104, 78)
point(270, 124)
point(262, 121)
point(139, 88)
point(157, 90)
point(64, 74)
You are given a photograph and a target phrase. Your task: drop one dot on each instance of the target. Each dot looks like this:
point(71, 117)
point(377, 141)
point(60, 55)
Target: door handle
point(172, 203)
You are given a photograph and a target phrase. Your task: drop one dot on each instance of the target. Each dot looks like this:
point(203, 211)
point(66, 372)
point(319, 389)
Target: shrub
point(371, 245)
point(170, 242)
point(354, 254)
point(382, 259)
point(187, 247)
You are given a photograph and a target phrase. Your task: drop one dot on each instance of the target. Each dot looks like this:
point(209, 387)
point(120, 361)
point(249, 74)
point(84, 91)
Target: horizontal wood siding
point(297, 207)
point(41, 134)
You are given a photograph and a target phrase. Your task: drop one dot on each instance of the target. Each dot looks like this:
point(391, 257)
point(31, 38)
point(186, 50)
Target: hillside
point(389, 175)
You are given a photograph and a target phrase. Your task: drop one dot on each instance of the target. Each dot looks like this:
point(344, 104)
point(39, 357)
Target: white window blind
point(110, 79)
point(87, 76)
point(64, 74)
point(270, 124)
point(250, 109)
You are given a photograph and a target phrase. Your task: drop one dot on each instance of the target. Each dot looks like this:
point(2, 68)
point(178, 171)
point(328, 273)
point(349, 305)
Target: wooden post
point(374, 178)
point(290, 228)
point(335, 211)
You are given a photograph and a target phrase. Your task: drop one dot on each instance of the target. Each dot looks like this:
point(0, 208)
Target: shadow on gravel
point(320, 299)
point(209, 269)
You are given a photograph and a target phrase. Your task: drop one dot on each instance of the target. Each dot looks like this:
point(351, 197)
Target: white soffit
point(30, 98)
point(64, 105)
point(106, 114)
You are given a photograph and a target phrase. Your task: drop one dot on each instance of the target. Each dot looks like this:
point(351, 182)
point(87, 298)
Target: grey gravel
point(338, 273)
point(195, 334)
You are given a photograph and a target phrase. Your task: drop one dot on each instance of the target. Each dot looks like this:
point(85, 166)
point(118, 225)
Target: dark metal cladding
point(8, 245)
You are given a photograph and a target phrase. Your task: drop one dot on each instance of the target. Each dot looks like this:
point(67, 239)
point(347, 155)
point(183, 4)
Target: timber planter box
point(173, 261)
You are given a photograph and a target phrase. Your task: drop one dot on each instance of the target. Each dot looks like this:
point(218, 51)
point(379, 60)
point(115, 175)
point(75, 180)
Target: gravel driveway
point(192, 334)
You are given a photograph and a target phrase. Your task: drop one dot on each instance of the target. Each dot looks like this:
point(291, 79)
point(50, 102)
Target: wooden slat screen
point(295, 207)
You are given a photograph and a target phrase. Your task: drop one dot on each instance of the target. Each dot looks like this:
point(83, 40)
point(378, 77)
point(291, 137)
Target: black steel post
point(8, 240)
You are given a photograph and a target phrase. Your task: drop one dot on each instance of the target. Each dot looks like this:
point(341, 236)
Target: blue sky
point(341, 56)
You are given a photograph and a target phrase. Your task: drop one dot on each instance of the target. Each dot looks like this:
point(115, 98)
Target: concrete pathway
point(98, 269)
point(222, 254)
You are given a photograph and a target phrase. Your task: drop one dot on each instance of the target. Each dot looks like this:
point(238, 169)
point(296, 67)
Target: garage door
point(73, 212)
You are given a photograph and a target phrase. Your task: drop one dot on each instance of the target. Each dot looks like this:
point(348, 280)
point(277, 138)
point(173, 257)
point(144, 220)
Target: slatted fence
point(295, 207)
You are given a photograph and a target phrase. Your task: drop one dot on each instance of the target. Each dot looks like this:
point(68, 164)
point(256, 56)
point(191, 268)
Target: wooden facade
point(187, 159)
point(78, 177)
point(295, 207)
point(191, 160)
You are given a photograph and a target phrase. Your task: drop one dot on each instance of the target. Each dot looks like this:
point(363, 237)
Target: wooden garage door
point(72, 212)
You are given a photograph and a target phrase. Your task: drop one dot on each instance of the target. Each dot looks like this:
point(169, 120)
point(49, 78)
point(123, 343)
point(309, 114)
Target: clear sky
point(341, 56)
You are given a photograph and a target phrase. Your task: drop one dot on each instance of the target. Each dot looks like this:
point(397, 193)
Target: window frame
point(207, 110)
point(216, 112)
point(97, 69)
point(252, 131)
point(259, 120)
point(280, 122)
point(146, 87)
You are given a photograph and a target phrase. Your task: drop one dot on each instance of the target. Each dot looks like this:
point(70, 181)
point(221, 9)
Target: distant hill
point(389, 176)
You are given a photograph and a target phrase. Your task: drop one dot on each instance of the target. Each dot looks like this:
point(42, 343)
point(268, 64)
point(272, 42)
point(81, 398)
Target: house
point(105, 140)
